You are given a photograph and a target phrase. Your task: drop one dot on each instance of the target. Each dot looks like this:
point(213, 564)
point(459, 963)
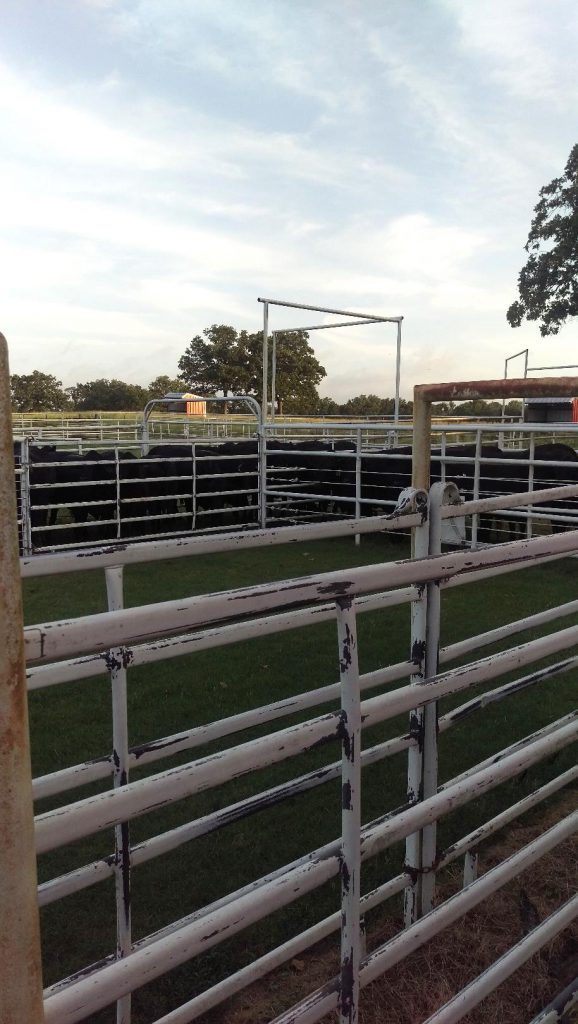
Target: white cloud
point(515, 41)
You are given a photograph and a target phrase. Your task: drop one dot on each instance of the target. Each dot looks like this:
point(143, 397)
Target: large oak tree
point(229, 361)
point(37, 392)
point(548, 283)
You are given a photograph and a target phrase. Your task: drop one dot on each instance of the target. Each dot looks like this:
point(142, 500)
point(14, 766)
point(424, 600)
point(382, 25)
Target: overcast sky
point(165, 162)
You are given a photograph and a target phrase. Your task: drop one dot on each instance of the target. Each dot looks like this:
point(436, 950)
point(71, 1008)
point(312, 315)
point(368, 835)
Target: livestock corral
point(71, 497)
point(245, 741)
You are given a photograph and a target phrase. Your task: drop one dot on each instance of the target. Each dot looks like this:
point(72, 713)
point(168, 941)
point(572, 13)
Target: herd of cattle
point(106, 495)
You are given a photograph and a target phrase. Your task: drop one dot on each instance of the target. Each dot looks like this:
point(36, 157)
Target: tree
point(217, 362)
point(548, 283)
point(37, 392)
point(363, 405)
point(227, 361)
point(297, 375)
point(327, 407)
point(163, 385)
point(108, 395)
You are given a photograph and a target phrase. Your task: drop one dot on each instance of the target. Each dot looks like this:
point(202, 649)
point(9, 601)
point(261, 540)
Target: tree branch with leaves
point(548, 283)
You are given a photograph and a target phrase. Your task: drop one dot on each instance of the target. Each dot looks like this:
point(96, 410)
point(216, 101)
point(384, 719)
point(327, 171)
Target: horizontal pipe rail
point(51, 640)
point(324, 1000)
point(104, 810)
point(495, 975)
point(103, 987)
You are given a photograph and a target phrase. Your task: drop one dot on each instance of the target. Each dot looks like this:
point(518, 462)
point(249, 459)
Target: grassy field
point(72, 722)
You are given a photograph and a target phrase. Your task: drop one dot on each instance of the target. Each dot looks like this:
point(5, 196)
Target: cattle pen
point(418, 695)
point(71, 496)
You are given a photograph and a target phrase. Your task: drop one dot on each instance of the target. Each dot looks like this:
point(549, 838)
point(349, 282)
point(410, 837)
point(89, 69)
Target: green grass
point(72, 722)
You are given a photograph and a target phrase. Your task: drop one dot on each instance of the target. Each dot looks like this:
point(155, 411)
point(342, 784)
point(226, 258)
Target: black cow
point(169, 478)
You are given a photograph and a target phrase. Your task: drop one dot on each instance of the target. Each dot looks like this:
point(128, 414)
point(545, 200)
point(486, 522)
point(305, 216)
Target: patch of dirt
point(413, 989)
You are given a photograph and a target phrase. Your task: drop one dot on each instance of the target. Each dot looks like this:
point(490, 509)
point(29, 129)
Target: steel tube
point(161, 550)
point(324, 1000)
point(43, 565)
point(557, 1010)
point(327, 327)
point(418, 619)
point(265, 368)
point(397, 374)
point(105, 810)
point(101, 988)
point(120, 772)
point(501, 969)
point(96, 632)
point(514, 811)
point(21, 989)
point(264, 965)
point(338, 312)
point(350, 863)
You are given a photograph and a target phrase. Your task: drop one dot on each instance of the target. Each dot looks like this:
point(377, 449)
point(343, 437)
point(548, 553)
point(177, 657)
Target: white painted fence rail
point(121, 639)
point(192, 620)
point(196, 486)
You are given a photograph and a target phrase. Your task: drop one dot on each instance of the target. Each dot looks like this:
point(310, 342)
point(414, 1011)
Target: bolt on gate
point(121, 639)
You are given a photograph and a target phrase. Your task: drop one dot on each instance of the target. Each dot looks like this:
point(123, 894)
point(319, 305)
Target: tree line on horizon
point(222, 361)
point(43, 392)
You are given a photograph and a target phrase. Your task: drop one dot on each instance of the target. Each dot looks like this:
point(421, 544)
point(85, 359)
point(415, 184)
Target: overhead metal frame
point(359, 319)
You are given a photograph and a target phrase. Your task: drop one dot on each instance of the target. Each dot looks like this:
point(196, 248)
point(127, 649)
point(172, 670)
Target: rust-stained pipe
point(463, 391)
point(20, 969)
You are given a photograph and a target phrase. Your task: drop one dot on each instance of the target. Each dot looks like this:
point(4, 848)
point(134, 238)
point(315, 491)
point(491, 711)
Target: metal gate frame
point(422, 580)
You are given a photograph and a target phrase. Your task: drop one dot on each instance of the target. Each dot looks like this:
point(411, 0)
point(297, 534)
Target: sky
point(166, 162)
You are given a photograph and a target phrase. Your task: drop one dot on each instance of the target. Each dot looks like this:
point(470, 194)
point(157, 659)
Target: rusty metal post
point(21, 985)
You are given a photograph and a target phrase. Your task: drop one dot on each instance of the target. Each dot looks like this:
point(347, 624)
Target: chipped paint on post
point(413, 851)
point(120, 760)
point(350, 812)
point(21, 987)
point(291, 603)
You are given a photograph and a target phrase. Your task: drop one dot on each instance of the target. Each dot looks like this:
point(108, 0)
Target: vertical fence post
point(122, 853)
point(439, 495)
point(350, 812)
point(25, 497)
point(412, 894)
point(358, 482)
point(194, 487)
point(21, 989)
point(532, 454)
point(476, 494)
point(117, 477)
point(470, 867)
point(262, 445)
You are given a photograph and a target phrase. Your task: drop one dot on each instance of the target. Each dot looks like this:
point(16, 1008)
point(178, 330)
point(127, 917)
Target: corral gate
point(117, 639)
point(71, 498)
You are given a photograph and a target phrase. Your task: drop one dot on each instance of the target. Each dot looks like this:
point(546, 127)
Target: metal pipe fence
point(69, 497)
point(119, 640)
point(56, 652)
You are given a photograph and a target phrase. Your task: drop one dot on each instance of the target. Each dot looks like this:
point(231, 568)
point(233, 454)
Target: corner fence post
point(350, 812)
point(21, 989)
